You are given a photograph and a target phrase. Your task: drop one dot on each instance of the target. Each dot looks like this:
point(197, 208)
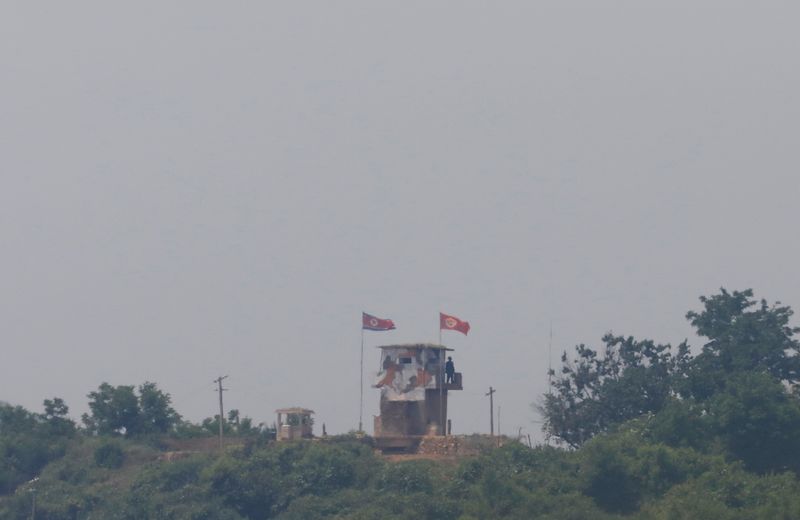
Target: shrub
point(109, 455)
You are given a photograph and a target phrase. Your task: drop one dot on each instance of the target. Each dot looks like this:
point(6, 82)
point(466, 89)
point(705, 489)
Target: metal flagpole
point(441, 391)
point(361, 409)
point(442, 353)
point(549, 371)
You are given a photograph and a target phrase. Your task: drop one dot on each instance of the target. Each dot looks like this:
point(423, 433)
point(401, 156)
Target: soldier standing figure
point(449, 369)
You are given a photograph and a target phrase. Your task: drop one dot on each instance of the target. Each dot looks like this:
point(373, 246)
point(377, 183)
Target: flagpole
point(441, 392)
point(549, 371)
point(441, 379)
point(361, 408)
point(550, 360)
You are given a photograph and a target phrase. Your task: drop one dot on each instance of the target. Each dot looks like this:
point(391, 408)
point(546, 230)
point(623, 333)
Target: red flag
point(452, 323)
point(369, 322)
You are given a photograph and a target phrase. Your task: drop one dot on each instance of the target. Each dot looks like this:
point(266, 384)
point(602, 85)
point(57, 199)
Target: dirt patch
point(450, 448)
point(200, 444)
point(402, 457)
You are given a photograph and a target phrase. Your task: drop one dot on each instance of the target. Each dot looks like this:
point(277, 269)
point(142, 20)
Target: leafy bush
point(406, 477)
point(27, 443)
point(109, 455)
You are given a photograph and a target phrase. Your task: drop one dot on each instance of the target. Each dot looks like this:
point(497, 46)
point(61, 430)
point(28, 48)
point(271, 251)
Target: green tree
point(109, 455)
point(758, 421)
point(211, 425)
point(596, 391)
point(242, 425)
point(27, 444)
point(621, 470)
point(681, 423)
point(56, 416)
point(744, 335)
point(156, 414)
point(117, 410)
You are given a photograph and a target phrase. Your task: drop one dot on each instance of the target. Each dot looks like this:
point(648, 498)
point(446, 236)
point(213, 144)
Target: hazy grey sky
point(192, 189)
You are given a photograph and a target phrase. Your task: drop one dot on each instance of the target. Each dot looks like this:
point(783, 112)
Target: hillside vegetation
point(642, 431)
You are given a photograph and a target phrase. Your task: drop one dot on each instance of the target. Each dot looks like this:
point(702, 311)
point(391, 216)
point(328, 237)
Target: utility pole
point(221, 414)
point(491, 409)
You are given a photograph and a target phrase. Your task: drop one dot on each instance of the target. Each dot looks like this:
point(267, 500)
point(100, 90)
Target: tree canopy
point(118, 410)
point(736, 390)
point(599, 389)
point(744, 335)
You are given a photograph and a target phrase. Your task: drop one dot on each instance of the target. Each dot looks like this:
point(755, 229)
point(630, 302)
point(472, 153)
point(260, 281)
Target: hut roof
point(304, 411)
point(418, 346)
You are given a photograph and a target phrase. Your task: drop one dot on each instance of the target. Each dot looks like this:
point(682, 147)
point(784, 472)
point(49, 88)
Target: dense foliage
point(621, 475)
point(597, 391)
point(118, 410)
point(648, 432)
point(28, 441)
point(737, 388)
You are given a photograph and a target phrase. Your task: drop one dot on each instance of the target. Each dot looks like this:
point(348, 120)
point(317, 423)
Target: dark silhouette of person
point(387, 363)
point(449, 369)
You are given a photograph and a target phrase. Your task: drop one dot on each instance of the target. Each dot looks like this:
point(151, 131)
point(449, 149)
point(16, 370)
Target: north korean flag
point(452, 323)
point(370, 322)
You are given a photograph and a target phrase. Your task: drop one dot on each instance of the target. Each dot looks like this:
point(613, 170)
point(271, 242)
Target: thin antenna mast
point(549, 374)
point(550, 361)
point(498, 419)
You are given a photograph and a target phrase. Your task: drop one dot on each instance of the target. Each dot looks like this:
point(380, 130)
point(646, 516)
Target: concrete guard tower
point(413, 395)
point(294, 423)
